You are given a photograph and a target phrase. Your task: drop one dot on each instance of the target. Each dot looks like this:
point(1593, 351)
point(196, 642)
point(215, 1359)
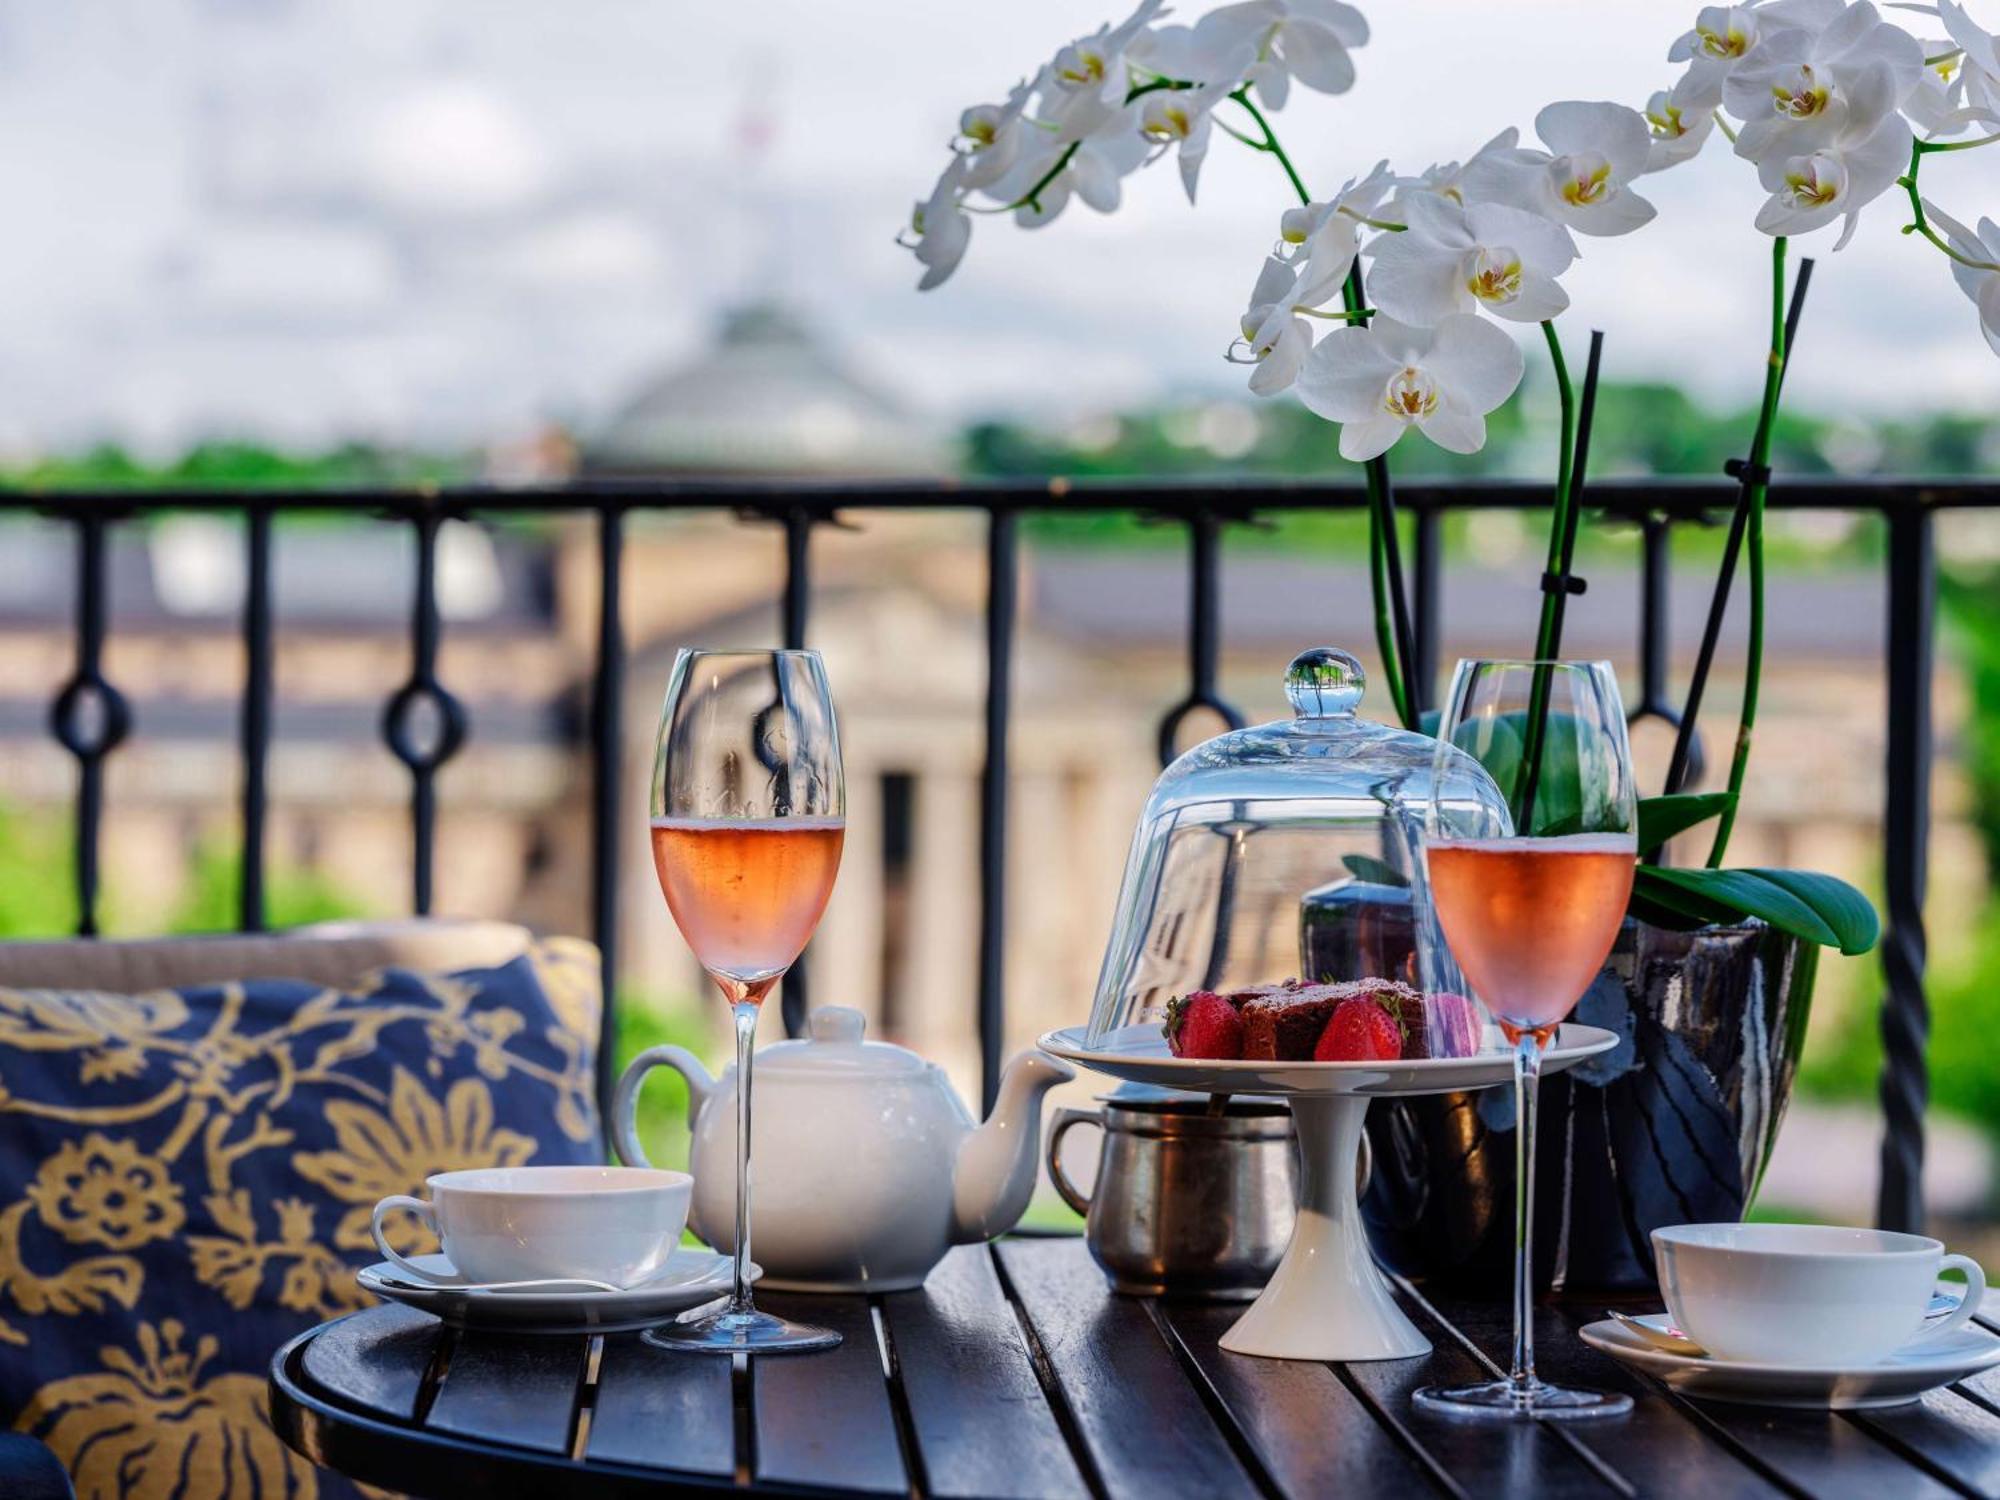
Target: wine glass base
point(1501, 1400)
point(750, 1332)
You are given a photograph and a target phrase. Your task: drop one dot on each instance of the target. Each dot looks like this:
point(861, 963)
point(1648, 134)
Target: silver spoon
point(539, 1284)
point(1670, 1339)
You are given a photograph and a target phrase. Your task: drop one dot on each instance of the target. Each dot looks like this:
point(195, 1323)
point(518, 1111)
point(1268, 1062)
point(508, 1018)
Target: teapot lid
point(833, 1047)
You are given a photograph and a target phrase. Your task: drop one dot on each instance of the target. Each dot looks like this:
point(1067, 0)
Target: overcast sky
point(440, 221)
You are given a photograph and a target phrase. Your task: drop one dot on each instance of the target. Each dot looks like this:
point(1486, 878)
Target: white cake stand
point(1326, 1300)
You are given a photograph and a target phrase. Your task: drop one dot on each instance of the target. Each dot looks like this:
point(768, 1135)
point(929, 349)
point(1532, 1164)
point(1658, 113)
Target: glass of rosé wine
point(1529, 913)
point(748, 815)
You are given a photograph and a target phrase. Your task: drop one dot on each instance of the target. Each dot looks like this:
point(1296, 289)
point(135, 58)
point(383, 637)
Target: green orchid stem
point(1392, 613)
point(1559, 516)
point(1032, 198)
point(1756, 488)
point(1922, 224)
point(1345, 315)
point(1545, 633)
point(1385, 563)
point(1270, 143)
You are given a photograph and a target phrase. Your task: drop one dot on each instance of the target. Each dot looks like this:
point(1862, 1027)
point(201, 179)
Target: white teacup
point(1806, 1294)
point(615, 1224)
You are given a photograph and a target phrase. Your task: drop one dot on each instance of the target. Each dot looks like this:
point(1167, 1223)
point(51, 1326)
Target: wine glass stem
point(745, 1013)
point(1527, 1084)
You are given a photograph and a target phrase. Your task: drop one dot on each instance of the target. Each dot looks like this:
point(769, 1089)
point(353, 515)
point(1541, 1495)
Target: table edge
point(375, 1450)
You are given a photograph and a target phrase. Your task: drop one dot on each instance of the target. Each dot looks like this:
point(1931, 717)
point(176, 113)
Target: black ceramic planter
point(1672, 1126)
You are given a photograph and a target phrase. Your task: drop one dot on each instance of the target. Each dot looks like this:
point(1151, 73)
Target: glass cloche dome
point(1278, 858)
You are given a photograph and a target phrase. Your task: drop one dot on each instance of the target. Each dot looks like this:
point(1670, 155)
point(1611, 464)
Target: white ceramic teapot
point(868, 1168)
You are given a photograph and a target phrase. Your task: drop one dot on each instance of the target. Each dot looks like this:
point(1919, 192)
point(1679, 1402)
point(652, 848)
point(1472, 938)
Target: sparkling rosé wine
point(1531, 920)
point(748, 893)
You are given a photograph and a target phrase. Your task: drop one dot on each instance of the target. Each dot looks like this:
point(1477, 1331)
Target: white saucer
point(1902, 1377)
point(691, 1278)
point(1140, 1055)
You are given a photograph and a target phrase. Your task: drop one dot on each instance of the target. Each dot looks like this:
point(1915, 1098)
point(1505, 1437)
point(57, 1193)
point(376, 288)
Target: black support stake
point(1906, 853)
point(1426, 600)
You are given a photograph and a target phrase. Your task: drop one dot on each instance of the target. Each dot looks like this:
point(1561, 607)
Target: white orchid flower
point(1181, 118)
point(1329, 233)
point(1218, 55)
point(1276, 336)
point(1454, 259)
point(939, 228)
point(1680, 125)
point(1841, 177)
point(1095, 65)
point(990, 136)
point(1722, 37)
point(1447, 179)
point(1979, 282)
point(1094, 173)
point(1979, 68)
point(1304, 39)
point(1584, 179)
point(1380, 381)
point(1808, 84)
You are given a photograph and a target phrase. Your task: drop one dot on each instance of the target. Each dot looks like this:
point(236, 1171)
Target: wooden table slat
point(1145, 1425)
point(659, 1409)
point(1953, 1437)
point(511, 1388)
point(825, 1417)
point(982, 1422)
point(1660, 1449)
point(376, 1360)
point(1481, 1458)
point(1313, 1435)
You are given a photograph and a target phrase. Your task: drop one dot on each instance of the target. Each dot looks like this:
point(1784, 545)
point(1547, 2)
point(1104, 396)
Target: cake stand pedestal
point(1326, 1300)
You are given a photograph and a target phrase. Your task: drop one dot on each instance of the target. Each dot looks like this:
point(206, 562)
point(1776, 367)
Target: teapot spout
point(995, 1174)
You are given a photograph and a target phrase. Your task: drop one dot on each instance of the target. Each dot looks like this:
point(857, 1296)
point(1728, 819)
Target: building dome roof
point(769, 398)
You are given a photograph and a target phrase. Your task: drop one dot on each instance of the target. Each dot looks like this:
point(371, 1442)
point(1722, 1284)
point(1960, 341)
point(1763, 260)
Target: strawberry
point(1359, 1030)
point(1203, 1024)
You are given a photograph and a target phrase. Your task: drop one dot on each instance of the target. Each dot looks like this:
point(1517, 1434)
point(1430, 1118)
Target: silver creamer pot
point(1187, 1203)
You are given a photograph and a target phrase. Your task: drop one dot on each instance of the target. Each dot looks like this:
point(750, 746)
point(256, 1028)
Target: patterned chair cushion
point(186, 1178)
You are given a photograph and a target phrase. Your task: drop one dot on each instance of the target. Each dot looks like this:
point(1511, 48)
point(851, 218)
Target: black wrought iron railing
point(424, 724)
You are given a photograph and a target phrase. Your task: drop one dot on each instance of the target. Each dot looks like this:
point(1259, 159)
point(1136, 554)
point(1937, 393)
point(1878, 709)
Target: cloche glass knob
point(1324, 682)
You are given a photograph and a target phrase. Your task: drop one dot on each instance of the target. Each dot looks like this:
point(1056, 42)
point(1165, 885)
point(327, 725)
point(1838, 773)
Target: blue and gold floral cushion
point(186, 1178)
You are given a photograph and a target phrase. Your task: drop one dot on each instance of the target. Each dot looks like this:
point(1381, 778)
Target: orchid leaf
point(1818, 908)
point(1660, 818)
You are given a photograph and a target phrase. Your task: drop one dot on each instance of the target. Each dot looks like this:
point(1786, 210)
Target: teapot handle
point(625, 1098)
point(1064, 1120)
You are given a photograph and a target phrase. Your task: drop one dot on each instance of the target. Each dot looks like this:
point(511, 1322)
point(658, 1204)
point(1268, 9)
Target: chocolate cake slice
point(1282, 1022)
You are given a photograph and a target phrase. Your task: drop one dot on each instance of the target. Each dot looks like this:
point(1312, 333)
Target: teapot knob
point(836, 1023)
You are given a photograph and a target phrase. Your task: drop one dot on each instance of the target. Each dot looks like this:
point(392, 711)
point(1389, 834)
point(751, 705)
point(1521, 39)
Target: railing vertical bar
point(423, 787)
point(1906, 841)
point(90, 717)
point(254, 726)
point(607, 701)
point(1204, 635)
point(1427, 602)
point(795, 990)
point(1655, 642)
point(424, 759)
point(1002, 585)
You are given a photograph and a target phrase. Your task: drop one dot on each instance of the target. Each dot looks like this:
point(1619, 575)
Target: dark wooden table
point(1014, 1372)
